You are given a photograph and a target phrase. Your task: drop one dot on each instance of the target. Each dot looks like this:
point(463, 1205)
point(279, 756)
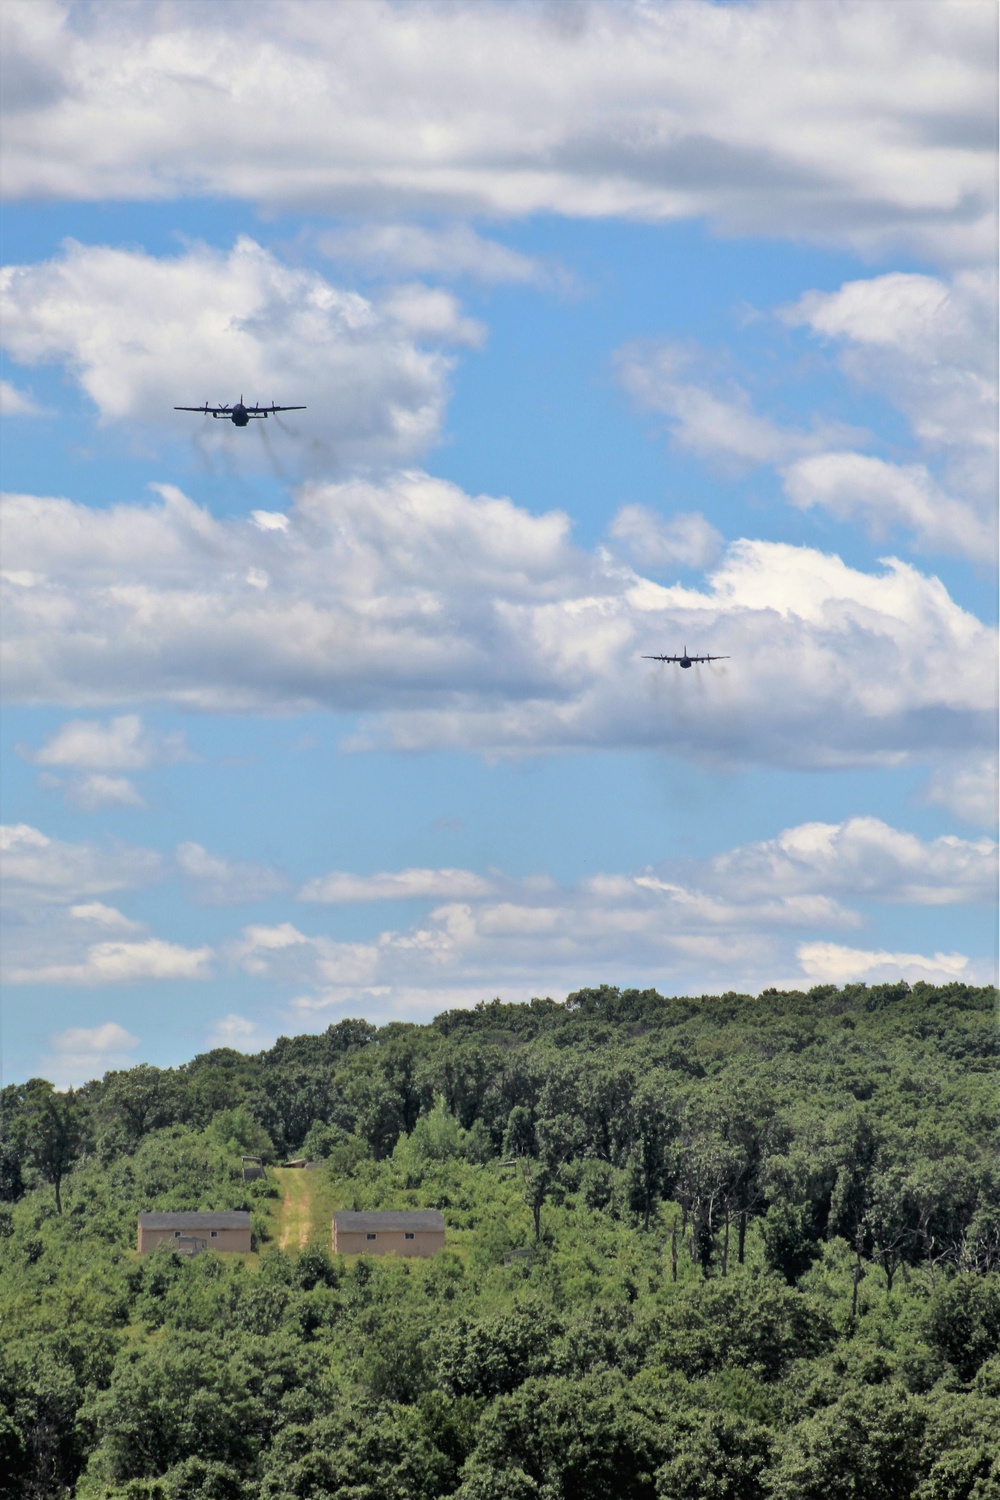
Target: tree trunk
point(536, 1213)
point(858, 1276)
point(55, 1183)
point(741, 1242)
point(725, 1248)
point(673, 1252)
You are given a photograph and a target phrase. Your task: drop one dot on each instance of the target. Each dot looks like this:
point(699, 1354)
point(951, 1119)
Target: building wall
point(231, 1241)
point(389, 1242)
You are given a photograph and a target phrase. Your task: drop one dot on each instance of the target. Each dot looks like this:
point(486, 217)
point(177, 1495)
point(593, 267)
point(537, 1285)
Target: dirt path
point(296, 1209)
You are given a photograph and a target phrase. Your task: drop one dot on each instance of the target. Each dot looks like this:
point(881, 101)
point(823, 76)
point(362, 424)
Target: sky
point(621, 328)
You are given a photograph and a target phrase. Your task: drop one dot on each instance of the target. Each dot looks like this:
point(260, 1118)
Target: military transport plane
point(685, 660)
point(239, 414)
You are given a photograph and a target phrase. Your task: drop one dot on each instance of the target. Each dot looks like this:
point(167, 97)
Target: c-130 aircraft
point(240, 415)
point(685, 660)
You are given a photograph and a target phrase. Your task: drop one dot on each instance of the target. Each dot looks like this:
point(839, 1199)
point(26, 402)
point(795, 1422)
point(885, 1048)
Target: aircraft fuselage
point(239, 415)
point(685, 661)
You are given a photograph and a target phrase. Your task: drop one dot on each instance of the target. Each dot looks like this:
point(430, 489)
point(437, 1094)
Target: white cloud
point(929, 347)
point(829, 963)
point(122, 744)
point(15, 403)
point(446, 620)
point(652, 541)
point(853, 485)
point(48, 891)
point(217, 325)
point(103, 916)
point(282, 952)
point(39, 868)
point(239, 1034)
point(718, 423)
point(926, 346)
point(449, 251)
point(849, 123)
point(733, 921)
point(395, 885)
point(929, 344)
point(864, 859)
point(269, 520)
point(967, 786)
point(121, 963)
point(218, 881)
point(88, 793)
point(430, 313)
point(81, 1053)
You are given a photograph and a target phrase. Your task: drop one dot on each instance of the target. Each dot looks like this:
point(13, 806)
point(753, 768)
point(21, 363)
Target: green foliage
point(790, 1239)
point(963, 1322)
point(759, 1256)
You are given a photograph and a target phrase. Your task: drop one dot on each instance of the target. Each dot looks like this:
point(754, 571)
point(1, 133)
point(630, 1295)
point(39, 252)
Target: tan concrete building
point(191, 1233)
point(418, 1232)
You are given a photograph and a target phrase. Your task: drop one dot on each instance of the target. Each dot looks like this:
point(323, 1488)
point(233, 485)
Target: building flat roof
point(229, 1218)
point(422, 1218)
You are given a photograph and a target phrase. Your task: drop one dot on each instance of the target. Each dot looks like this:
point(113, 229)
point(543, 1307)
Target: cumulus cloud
point(863, 859)
point(733, 921)
point(715, 421)
point(16, 403)
point(968, 787)
point(928, 346)
point(685, 540)
point(81, 1053)
point(395, 885)
point(925, 345)
point(103, 916)
point(448, 620)
point(40, 868)
point(448, 251)
point(830, 963)
point(847, 123)
point(218, 881)
point(89, 793)
point(884, 495)
point(50, 914)
point(239, 1034)
point(120, 963)
point(121, 744)
point(216, 325)
point(283, 952)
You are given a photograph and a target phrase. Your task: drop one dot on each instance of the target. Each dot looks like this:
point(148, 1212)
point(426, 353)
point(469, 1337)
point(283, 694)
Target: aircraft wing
point(708, 658)
point(666, 658)
point(262, 411)
point(206, 410)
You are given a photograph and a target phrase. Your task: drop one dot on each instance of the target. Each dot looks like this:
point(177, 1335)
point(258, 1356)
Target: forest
point(714, 1248)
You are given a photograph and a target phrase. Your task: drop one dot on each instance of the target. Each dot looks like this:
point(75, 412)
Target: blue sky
point(684, 337)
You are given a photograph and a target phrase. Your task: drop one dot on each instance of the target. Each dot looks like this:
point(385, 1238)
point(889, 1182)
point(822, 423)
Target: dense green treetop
point(724, 1247)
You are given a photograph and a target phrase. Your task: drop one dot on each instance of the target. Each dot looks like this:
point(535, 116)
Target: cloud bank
point(847, 122)
point(216, 325)
point(447, 620)
point(777, 910)
point(925, 345)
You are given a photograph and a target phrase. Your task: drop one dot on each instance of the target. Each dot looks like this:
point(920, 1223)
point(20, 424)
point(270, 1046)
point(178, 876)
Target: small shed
point(191, 1233)
point(253, 1168)
point(404, 1232)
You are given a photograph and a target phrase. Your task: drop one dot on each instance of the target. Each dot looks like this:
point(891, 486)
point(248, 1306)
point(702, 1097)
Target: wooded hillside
point(765, 1259)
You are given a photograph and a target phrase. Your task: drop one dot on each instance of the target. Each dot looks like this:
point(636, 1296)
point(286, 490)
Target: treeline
point(764, 1240)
